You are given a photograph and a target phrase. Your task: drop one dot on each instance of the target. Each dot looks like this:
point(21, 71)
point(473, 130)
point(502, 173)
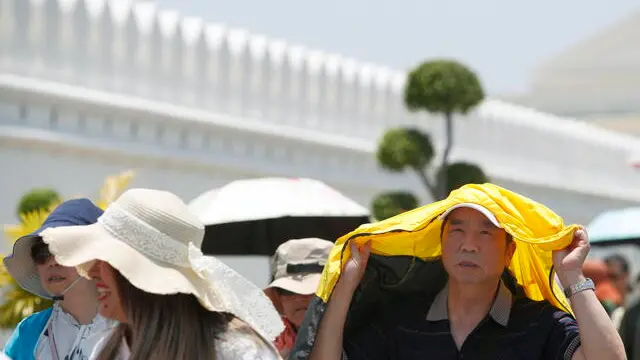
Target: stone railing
point(136, 50)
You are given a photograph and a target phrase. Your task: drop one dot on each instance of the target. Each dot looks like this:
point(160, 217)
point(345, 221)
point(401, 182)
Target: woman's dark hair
point(165, 327)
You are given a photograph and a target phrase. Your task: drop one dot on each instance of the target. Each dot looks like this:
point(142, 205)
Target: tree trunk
point(433, 191)
point(442, 182)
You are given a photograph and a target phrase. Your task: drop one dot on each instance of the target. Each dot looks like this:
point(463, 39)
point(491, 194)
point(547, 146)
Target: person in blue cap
point(70, 329)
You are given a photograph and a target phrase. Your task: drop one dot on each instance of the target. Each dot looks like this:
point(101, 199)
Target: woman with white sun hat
point(172, 301)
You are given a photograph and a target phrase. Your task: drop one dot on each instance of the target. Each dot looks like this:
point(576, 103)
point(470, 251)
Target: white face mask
point(60, 296)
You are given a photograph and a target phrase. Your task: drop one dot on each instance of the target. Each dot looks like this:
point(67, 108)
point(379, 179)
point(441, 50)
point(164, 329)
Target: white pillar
point(333, 84)
point(314, 90)
point(294, 84)
point(171, 53)
point(365, 89)
point(147, 50)
point(276, 108)
point(8, 34)
point(257, 82)
point(239, 66)
point(349, 97)
point(217, 65)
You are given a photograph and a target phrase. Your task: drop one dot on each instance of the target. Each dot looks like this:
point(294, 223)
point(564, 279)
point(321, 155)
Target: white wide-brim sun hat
point(153, 240)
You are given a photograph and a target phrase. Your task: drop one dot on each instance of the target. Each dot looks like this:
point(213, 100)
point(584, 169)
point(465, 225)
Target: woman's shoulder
point(123, 352)
point(97, 333)
point(238, 344)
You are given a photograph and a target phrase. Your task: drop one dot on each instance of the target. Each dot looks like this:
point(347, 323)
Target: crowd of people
point(131, 283)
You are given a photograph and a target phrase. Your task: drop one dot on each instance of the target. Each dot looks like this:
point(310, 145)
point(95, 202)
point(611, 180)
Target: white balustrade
point(136, 49)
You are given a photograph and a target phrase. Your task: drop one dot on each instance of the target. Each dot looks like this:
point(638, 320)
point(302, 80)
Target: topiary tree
point(443, 87)
point(37, 200)
point(410, 149)
point(390, 204)
point(407, 148)
point(463, 173)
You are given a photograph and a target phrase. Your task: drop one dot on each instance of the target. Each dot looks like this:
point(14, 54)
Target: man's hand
point(568, 261)
point(355, 266)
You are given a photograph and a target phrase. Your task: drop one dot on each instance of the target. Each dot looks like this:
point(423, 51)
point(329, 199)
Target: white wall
point(138, 50)
point(92, 87)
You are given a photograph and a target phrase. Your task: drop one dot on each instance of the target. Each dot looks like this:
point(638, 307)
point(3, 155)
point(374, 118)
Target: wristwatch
point(586, 284)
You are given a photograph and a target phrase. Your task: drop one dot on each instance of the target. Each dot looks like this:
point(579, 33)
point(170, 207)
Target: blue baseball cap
point(20, 263)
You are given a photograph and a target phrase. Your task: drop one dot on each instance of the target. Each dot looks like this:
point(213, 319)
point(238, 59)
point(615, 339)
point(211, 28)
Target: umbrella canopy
point(253, 217)
point(615, 227)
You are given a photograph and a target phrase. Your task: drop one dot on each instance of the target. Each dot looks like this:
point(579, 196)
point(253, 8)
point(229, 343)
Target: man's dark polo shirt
point(515, 328)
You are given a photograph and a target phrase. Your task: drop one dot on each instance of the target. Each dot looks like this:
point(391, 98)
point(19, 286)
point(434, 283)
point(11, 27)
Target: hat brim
point(216, 286)
point(81, 246)
point(481, 209)
point(23, 269)
point(302, 285)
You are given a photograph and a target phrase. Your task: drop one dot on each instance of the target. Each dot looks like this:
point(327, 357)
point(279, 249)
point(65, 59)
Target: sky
point(503, 40)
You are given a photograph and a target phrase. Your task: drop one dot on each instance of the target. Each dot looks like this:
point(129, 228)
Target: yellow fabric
point(536, 229)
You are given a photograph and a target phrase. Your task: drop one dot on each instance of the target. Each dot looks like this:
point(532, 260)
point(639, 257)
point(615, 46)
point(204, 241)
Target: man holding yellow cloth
point(471, 276)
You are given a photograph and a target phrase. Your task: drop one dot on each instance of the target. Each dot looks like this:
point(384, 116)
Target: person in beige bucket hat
point(173, 302)
point(297, 268)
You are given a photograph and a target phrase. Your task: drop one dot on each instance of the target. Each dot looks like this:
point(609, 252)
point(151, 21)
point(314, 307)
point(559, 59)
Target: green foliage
point(18, 304)
point(405, 148)
point(390, 204)
point(36, 200)
point(407, 155)
point(443, 86)
point(463, 173)
point(438, 86)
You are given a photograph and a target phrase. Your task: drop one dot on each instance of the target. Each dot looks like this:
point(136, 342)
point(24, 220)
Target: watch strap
point(586, 284)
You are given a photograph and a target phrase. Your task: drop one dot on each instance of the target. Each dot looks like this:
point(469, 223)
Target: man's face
point(473, 249)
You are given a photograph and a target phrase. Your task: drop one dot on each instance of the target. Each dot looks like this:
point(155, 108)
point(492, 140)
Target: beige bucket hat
point(153, 240)
point(298, 265)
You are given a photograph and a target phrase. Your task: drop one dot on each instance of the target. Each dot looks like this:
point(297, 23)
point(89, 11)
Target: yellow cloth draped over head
point(536, 229)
